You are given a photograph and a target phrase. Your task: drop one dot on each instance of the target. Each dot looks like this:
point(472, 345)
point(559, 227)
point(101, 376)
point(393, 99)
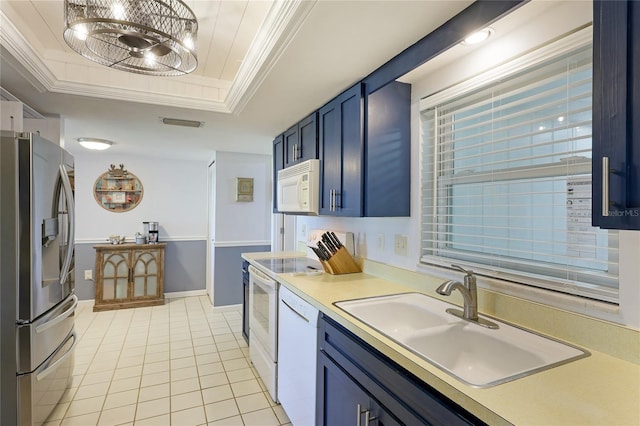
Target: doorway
point(283, 232)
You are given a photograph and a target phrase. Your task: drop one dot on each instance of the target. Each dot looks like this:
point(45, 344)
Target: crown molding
point(280, 26)
point(50, 73)
point(141, 95)
point(31, 66)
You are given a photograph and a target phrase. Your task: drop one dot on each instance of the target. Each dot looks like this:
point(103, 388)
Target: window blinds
point(506, 181)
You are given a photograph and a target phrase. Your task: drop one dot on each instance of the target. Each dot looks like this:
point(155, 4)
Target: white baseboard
point(227, 308)
point(189, 293)
point(88, 303)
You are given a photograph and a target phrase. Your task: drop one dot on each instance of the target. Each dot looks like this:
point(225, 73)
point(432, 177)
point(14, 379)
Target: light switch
point(400, 245)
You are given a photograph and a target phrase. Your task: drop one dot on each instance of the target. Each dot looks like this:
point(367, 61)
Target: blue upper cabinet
point(301, 141)
point(387, 183)
point(340, 124)
point(616, 107)
point(365, 148)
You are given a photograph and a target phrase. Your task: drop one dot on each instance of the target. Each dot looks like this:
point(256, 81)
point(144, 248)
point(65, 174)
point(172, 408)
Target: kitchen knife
point(326, 239)
point(325, 253)
point(336, 241)
point(317, 252)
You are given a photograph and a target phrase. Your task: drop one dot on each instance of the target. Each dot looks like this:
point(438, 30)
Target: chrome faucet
point(469, 292)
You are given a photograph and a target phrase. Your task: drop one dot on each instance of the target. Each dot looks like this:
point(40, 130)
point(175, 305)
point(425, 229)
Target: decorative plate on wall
point(118, 190)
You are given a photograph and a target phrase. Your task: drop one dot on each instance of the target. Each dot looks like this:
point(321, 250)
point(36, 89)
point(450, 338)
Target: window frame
point(578, 39)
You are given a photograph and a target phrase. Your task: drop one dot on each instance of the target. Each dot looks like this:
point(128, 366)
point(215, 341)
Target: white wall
point(551, 23)
point(239, 223)
point(175, 195)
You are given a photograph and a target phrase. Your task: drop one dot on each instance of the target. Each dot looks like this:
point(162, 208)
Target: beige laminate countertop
point(596, 390)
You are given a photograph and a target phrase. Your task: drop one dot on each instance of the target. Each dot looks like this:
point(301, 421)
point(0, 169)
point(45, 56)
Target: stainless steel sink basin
point(476, 355)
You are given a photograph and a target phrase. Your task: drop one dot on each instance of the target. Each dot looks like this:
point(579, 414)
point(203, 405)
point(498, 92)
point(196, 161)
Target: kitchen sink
point(478, 356)
point(399, 315)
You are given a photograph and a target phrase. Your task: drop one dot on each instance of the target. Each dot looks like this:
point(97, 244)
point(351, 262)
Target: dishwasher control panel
point(299, 306)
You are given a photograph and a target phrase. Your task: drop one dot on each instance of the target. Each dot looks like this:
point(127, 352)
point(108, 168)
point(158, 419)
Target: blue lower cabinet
point(356, 382)
point(245, 300)
point(345, 402)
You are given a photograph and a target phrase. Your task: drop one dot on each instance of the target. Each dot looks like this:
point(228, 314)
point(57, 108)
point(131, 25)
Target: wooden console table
point(129, 276)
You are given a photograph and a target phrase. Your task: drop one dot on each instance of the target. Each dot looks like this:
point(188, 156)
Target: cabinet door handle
point(333, 205)
point(605, 186)
point(368, 418)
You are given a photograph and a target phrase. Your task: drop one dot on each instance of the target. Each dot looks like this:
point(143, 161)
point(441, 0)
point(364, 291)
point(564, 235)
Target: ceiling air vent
point(178, 122)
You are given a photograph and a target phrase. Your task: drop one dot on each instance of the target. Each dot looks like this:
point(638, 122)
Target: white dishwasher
point(297, 353)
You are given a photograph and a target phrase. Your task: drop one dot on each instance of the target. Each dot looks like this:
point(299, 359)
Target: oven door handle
point(261, 279)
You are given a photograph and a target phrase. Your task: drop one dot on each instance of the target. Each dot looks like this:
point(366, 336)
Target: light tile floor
point(183, 363)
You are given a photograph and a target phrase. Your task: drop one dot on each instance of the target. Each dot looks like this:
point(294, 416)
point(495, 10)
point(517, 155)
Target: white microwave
point(299, 188)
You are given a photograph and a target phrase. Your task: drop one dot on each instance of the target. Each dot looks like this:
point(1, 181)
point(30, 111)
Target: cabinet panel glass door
point(145, 274)
point(116, 276)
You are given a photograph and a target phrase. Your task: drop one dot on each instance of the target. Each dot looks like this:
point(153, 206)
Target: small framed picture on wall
point(244, 189)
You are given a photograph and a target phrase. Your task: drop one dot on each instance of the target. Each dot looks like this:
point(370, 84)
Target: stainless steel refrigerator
point(37, 300)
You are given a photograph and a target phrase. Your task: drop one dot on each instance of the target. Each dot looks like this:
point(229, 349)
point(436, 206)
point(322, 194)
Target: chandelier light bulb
point(80, 32)
point(149, 58)
point(188, 42)
point(118, 11)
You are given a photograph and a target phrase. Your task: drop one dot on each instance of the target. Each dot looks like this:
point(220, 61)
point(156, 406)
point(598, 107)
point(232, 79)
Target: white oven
point(263, 327)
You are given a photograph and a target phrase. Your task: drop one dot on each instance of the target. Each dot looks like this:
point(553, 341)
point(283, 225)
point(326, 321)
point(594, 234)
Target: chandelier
point(151, 37)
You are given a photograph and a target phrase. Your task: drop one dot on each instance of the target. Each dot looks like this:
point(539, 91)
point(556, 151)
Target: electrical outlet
point(381, 242)
point(303, 229)
point(88, 274)
point(400, 245)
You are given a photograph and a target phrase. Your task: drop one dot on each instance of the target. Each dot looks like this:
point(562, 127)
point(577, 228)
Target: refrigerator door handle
point(51, 368)
point(59, 318)
point(68, 192)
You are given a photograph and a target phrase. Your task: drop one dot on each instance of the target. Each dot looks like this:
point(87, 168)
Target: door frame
point(210, 252)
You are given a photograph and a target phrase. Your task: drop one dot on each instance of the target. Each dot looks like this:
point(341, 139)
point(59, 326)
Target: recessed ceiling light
point(95, 144)
point(478, 36)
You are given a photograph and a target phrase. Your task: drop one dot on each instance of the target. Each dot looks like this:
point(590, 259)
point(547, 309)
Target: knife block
point(340, 263)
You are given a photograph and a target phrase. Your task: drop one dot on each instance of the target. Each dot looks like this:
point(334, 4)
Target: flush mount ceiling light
point(478, 36)
point(95, 144)
point(151, 37)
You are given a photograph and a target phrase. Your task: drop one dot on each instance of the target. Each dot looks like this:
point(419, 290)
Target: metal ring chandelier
point(151, 37)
